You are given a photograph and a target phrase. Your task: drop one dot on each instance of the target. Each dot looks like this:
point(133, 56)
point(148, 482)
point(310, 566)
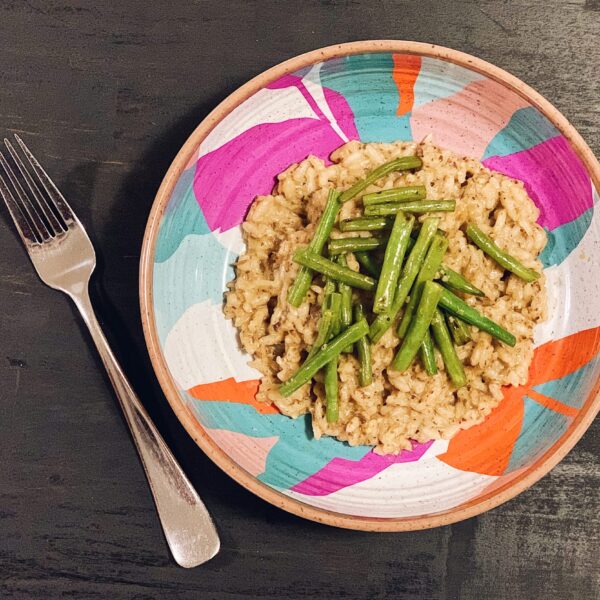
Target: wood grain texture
point(105, 93)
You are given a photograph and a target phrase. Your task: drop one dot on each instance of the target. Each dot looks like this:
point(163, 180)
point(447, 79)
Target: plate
point(373, 91)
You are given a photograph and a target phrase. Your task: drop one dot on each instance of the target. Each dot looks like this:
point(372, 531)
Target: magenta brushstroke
point(342, 113)
point(230, 177)
point(341, 472)
point(554, 177)
point(286, 81)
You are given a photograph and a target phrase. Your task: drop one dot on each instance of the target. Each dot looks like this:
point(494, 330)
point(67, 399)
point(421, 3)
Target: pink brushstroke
point(342, 113)
point(248, 452)
point(467, 121)
point(230, 177)
point(554, 177)
point(341, 472)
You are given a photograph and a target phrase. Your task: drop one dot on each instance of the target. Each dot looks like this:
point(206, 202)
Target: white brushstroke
point(312, 82)
point(232, 240)
point(573, 288)
point(202, 347)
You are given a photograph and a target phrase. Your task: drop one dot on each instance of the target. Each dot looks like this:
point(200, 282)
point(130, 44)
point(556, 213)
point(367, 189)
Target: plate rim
point(471, 508)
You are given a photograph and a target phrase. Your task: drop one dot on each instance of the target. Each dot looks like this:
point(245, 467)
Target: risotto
point(396, 407)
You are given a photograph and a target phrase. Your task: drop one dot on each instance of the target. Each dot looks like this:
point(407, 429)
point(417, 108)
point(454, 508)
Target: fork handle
point(189, 529)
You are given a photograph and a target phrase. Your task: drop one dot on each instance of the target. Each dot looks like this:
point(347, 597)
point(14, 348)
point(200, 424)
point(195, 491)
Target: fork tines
point(39, 215)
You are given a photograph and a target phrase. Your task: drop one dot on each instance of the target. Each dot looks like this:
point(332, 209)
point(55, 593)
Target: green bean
point(407, 277)
point(504, 259)
point(346, 305)
point(401, 194)
point(456, 282)
point(331, 391)
point(323, 330)
point(354, 244)
point(459, 308)
point(429, 268)
point(329, 288)
point(427, 353)
point(403, 163)
point(343, 318)
point(365, 224)
point(335, 305)
point(418, 327)
point(368, 263)
point(392, 263)
point(365, 374)
point(346, 293)
point(421, 206)
point(303, 280)
point(333, 270)
point(327, 352)
point(441, 335)
point(459, 330)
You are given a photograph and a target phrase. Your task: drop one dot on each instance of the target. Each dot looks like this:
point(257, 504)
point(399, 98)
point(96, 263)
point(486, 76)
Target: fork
point(64, 258)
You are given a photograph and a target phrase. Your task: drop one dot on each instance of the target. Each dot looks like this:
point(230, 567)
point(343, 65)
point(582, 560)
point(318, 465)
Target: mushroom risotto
point(391, 293)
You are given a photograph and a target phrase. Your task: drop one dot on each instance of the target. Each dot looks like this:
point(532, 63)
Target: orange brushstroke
point(552, 404)
point(405, 72)
point(562, 357)
point(230, 390)
point(486, 448)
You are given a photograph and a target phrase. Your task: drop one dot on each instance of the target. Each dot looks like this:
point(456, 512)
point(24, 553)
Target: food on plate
point(391, 294)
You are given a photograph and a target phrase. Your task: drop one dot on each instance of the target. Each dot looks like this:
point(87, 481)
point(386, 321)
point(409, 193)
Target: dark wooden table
point(105, 92)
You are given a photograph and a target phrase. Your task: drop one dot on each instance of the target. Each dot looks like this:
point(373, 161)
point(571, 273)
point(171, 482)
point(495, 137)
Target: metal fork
point(64, 258)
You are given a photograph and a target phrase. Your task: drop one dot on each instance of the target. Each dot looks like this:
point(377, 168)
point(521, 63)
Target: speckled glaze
point(371, 91)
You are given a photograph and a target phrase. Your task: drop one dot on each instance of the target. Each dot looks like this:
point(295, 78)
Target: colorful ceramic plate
point(372, 91)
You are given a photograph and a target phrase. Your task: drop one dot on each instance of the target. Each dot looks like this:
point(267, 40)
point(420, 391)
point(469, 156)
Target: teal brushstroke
point(366, 82)
point(541, 428)
point(182, 217)
point(572, 389)
point(526, 128)
point(197, 271)
point(564, 239)
point(294, 457)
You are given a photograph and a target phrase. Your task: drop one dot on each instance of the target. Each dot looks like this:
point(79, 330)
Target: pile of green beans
point(397, 269)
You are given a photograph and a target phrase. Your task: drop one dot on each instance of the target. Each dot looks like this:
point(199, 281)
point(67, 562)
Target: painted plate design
point(361, 91)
